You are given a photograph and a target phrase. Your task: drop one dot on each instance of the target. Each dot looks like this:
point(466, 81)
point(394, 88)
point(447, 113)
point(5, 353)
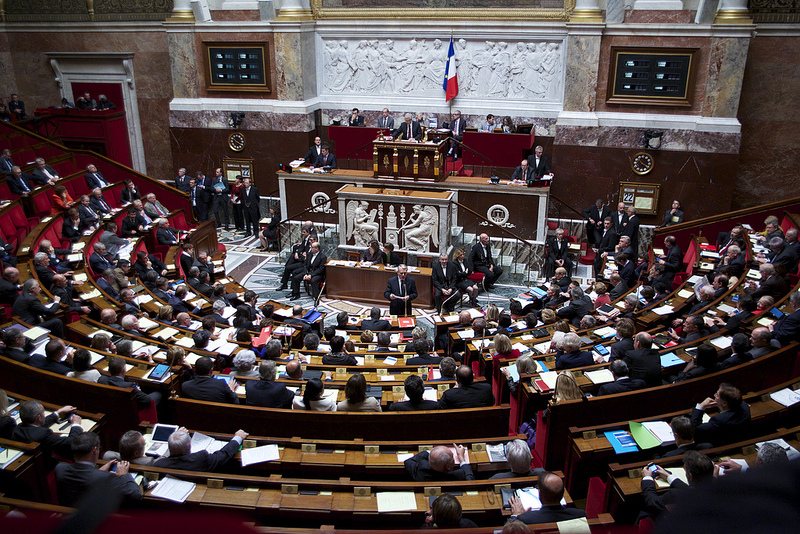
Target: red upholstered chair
point(22, 221)
point(595, 498)
point(645, 525)
point(149, 414)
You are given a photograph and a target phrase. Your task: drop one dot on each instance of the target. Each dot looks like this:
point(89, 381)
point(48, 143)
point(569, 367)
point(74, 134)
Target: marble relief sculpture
point(419, 233)
point(517, 70)
point(361, 225)
point(422, 224)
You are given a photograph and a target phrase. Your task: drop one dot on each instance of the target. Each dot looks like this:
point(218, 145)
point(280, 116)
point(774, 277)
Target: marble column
point(586, 11)
point(583, 58)
point(725, 74)
point(183, 61)
point(181, 11)
point(295, 60)
point(733, 12)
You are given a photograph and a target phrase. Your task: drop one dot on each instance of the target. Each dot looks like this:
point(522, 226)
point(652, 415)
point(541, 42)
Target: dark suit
point(407, 406)
point(426, 360)
point(620, 349)
point(197, 199)
point(672, 263)
point(402, 131)
point(40, 362)
point(578, 358)
point(644, 364)
point(40, 177)
point(617, 222)
point(179, 306)
point(670, 219)
point(774, 286)
point(100, 205)
point(201, 460)
point(737, 265)
point(557, 249)
point(186, 260)
point(324, 160)
point(386, 122)
point(29, 310)
point(182, 183)
point(595, 231)
point(787, 329)
point(315, 267)
point(481, 260)
point(209, 389)
point(129, 195)
point(268, 393)
point(723, 428)
point(550, 514)
point(17, 354)
point(88, 216)
point(724, 241)
point(250, 209)
point(142, 399)
point(576, 309)
point(167, 236)
point(98, 263)
point(542, 168)
point(358, 121)
point(607, 243)
point(628, 272)
point(632, 230)
point(18, 185)
point(70, 232)
point(313, 153)
point(785, 258)
point(419, 467)
point(130, 227)
point(8, 291)
point(519, 174)
point(95, 180)
point(621, 386)
point(45, 275)
point(68, 298)
point(73, 480)
point(393, 287)
point(378, 325)
point(445, 279)
point(475, 395)
point(656, 504)
point(339, 358)
point(50, 442)
point(619, 290)
point(458, 128)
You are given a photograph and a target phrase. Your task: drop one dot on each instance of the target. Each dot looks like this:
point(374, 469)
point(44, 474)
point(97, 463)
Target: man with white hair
point(570, 355)
point(167, 235)
point(182, 457)
point(153, 208)
point(28, 308)
point(267, 392)
point(518, 456)
point(408, 130)
point(44, 174)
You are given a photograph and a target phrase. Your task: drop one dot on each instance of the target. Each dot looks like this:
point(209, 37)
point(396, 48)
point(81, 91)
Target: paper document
point(166, 333)
point(7, 456)
point(601, 376)
point(661, 430)
point(201, 442)
point(173, 489)
point(549, 378)
point(663, 310)
point(387, 378)
point(679, 472)
point(496, 453)
point(743, 463)
point(685, 293)
point(257, 455)
point(726, 308)
point(396, 501)
point(606, 331)
point(722, 342)
point(468, 333)
point(786, 396)
point(403, 456)
point(579, 525)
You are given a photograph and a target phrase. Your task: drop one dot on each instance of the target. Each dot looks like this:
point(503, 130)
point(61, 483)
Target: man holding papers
point(440, 464)
point(182, 457)
point(551, 492)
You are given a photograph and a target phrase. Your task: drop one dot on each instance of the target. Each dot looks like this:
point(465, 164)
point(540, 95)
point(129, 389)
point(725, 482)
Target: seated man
point(313, 272)
point(297, 319)
point(375, 323)
point(153, 208)
point(182, 457)
point(89, 217)
point(570, 355)
point(98, 260)
point(116, 378)
point(166, 234)
point(75, 479)
point(177, 301)
point(267, 392)
point(30, 310)
point(439, 464)
point(43, 173)
point(551, 492)
point(415, 389)
point(423, 357)
point(206, 387)
point(699, 469)
point(355, 118)
point(579, 305)
point(409, 129)
point(17, 347)
point(447, 370)
point(99, 203)
point(131, 449)
point(325, 159)
point(105, 282)
point(683, 431)
point(111, 240)
point(523, 173)
point(730, 424)
point(622, 382)
point(518, 456)
point(480, 257)
point(644, 362)
point(337, 356)
point(557, 254)
point(36, 427)
point(133, 225)
point(467, 393)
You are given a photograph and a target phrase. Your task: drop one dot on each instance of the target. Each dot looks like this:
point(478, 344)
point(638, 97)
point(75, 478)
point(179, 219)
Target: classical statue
point(421, 225)
point(361, 223)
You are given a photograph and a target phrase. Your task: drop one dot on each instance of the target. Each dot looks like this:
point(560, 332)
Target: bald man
point(440, 464)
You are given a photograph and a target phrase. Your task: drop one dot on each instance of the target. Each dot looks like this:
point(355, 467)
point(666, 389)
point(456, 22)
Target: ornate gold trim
point(379, 13)
point(733, 16)
point(294, 15)
point(181, 16)
point(587, 16)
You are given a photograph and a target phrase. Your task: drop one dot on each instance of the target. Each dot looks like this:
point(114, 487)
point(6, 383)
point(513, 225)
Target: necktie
point(158, 209)
point(91, 211)
point(408, 135)
point(402, 288)
point(172, 235)
point(25, 187)
point(193, 202)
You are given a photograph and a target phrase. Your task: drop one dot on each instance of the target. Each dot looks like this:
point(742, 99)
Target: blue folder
point(621, 440)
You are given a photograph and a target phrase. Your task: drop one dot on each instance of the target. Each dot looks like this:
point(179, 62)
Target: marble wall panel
point(184, 60)
point(254, 121)
point(701, 78)
point(8, 82)
point(770, 120)
point(673, 140)
point(580, 93)
point(648, 16)
point(289, 66)
point(726, 68)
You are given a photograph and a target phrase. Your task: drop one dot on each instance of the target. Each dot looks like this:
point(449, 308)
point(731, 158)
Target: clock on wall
point(236, 141)
point(642, 163)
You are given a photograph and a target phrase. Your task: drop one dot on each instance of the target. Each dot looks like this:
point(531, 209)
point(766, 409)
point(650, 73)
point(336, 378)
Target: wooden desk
point(368, 284)
point(410, 160)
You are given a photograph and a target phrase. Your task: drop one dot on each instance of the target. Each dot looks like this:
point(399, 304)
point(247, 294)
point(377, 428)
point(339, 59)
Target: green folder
point(643, 437)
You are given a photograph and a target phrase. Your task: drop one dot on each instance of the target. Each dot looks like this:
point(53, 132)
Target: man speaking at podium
point(400, 291)
point(408, 130)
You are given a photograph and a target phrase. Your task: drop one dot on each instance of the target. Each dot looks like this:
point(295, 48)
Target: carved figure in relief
point(361, 223)
point(433, 67)
point(501, 65)
point(342, 67)
point(408, 69)
point(551, 70)
point(364, 78)
point(533, 73)
point(389, 59)
point(517, 86)
point(329, 55)
point(464, 65)
point(420, 227)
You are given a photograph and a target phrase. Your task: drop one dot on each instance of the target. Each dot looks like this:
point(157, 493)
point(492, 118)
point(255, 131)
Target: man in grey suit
point(73, 480)
point(385, 121)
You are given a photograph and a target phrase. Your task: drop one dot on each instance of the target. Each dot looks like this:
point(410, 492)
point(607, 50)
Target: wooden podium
point(409, 160)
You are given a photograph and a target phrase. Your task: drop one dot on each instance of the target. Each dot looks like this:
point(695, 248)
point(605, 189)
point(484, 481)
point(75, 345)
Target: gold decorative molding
point(444, 14)
point(294, 15)
point(181, 16)
point(586, 16)
point(733, 16)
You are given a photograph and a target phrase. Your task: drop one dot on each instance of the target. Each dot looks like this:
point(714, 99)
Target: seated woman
point(704, 362)
point(508, 125)
point(312, 398)
point(446, 513)
point(103, 343)
point(525, 366)
point(61, 200)
point(355, 392)
point(269, 235)
point(602, 295)
point(165, 315)
point(492, 315)
point(243, 364)
point(82, 367)
point(503, 348)
point(125, 348)
point(372, 255)
point(176, 360)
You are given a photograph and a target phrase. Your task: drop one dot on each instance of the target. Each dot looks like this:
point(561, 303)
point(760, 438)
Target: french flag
point(450, 84)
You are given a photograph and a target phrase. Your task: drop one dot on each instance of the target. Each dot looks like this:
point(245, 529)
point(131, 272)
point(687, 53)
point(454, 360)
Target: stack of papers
point(201, 442)
point(496, 453)
point(549, 378)
point(601, 376)
point(621, 441)
point(605, 332)
point(396, 501)
point(468, 333)
point(786, 396)
point(257, 455)
point(173, 489)
point(651, 434)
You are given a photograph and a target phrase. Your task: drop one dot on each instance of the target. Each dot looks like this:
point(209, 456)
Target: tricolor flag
point(450, 84)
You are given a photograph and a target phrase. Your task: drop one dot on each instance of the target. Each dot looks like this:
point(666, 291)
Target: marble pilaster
point(725, 73)
point(289, 66)
point(183, 64)
point(580, 85)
